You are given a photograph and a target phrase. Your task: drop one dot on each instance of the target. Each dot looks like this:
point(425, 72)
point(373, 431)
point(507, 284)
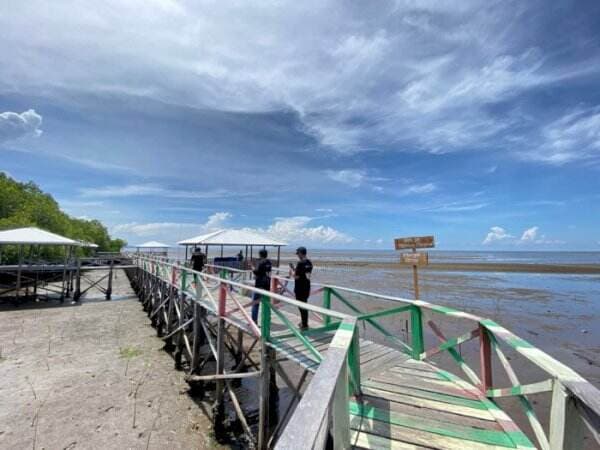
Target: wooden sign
point(414, 259)
point(414, 242)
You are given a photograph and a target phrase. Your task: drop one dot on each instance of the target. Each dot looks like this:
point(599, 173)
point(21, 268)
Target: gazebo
point(34, 237)
point(153, 247)
point(233, 238)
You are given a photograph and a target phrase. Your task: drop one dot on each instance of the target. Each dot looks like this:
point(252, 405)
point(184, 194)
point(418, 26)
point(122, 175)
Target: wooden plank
point(376, 354)
point(397, 435)
point(361, 440)
point(430, 404)
point(414, 372)
point(414, 242)
point(299, 357)
point(392, 418)
point(443, 416)
point(380, 364)
point(393, 386)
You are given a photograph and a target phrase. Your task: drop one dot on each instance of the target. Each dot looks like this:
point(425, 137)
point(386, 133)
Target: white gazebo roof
point(234, 238)
point(32, 235)
point(87, 244)
point(152, 244)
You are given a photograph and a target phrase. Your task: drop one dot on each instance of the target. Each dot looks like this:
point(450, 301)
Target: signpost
point(414, 259)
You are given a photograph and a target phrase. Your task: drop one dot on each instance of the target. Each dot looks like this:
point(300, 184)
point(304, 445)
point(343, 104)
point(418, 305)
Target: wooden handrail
point(326, 395)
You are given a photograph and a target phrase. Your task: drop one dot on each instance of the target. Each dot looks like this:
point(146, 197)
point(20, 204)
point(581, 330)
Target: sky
point(330, 124)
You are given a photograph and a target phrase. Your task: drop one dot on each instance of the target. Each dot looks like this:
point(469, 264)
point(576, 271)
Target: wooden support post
point(18, 285)
point(416, 329)
point(566, 426)
point(77, 293)
point(219, 406)
point(263, 418)
point(485, 359)
point(63, 286)
point(197, 342)
point(110, 280)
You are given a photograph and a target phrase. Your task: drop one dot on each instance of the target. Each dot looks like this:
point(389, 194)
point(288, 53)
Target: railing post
point(485, 359)
point(566, 426)
point(327, 303)
point(263, 419)
point(416, 329)
point(354, 363)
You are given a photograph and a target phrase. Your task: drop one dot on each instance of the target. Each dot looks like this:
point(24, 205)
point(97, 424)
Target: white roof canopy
point(152, 244)
point(87, 244)
point(32, 235)
point(233, 238)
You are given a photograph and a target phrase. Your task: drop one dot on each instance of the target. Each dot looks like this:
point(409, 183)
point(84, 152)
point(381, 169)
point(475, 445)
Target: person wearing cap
point(262, 275)
point(197, 259)
point(302, 273)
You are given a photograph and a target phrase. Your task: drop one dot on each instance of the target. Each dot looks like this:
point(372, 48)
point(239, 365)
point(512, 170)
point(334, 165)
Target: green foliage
point(129, 352)
point(25, 205)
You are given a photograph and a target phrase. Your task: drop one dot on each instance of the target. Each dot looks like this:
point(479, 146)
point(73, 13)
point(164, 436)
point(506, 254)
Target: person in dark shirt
point(302, 273)
point(197, 259)
point(262, 275)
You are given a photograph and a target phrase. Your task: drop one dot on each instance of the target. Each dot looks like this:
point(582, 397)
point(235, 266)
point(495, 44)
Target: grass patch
point(129, 352)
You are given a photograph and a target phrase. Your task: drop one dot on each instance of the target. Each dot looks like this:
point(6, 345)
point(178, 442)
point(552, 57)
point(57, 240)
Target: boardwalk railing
point(179, 302)
point(574, 403)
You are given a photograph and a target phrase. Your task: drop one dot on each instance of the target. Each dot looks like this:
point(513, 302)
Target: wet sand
point(93, 376)
point(472, 267)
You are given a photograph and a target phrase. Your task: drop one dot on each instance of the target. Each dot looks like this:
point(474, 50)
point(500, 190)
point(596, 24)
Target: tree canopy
point(26, 205)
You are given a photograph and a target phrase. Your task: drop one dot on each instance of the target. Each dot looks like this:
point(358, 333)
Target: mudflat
point(93, 376)
point(474, 267)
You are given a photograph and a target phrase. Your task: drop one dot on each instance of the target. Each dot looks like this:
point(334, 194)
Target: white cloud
point(575, 136)
point(171, 231)
point(133, 190)
point(289, 229)
point(296, 230)
point(398, 75)
point(530, 234)
point(496, 234)
point(352, 178)
point(15, 126)
point(420, 189)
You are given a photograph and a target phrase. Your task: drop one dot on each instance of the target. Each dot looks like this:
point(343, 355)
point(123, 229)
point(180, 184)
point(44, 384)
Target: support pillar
point(110, 280)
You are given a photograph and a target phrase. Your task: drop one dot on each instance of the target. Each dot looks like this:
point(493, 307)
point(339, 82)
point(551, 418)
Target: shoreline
point(570, 269)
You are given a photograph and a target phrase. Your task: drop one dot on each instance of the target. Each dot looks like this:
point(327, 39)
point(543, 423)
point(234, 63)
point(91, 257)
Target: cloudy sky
point(335, 124)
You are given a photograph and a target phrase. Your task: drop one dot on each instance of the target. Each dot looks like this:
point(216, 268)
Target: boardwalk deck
point(364, 394)
point(410, 404)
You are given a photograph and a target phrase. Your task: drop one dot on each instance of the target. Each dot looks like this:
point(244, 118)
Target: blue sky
point(333, 124)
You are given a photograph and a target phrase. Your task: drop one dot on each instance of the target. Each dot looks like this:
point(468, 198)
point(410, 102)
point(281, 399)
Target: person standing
point(197, 259)
point(262, 280)
point(302, 273)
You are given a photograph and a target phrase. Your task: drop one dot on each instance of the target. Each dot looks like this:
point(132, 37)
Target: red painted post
point(173, 275)
point(485, 359)
point(222, 299)
point(274, 288)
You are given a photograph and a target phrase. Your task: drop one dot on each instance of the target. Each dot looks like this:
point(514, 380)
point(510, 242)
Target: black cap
point(301, 251)
point(263, 253)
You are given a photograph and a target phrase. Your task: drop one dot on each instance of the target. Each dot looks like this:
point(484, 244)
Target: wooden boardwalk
point(412, 404)
point(362, 394)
